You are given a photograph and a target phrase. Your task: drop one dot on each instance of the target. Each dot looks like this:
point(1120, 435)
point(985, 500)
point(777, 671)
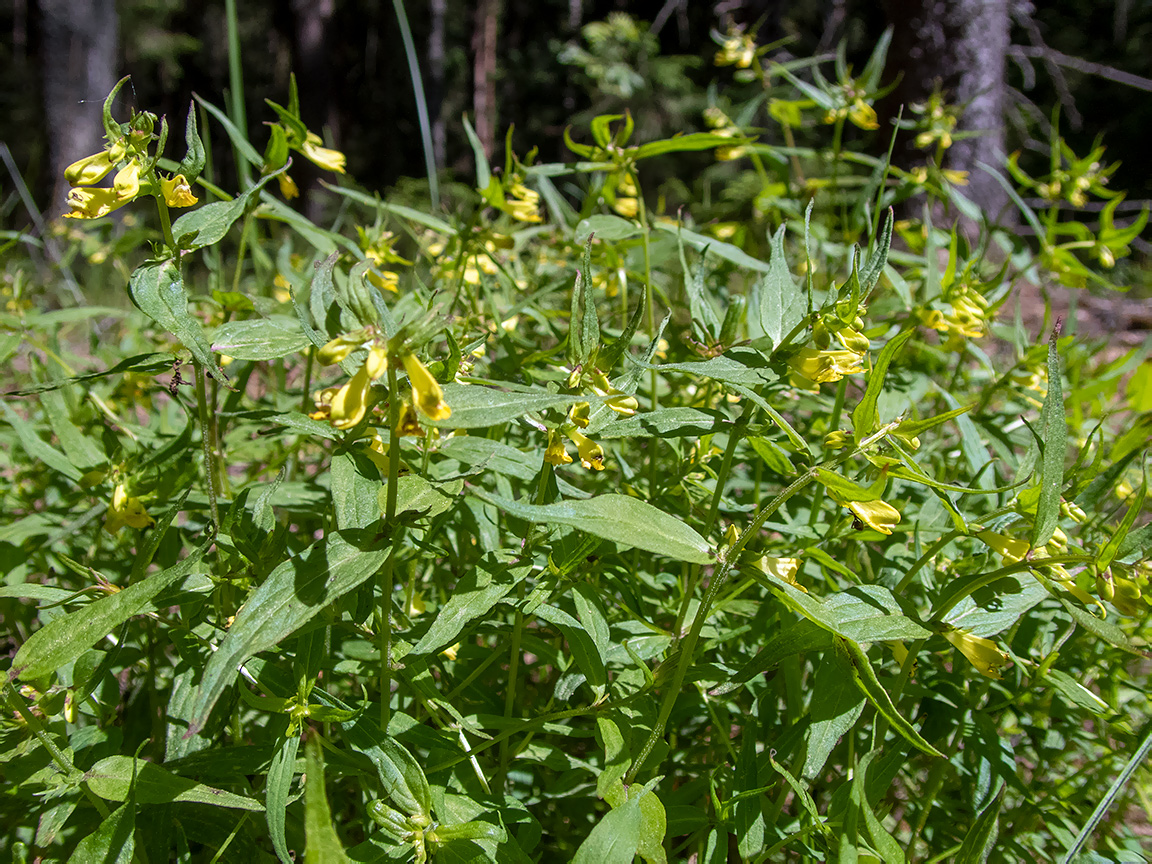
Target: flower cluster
point(124, 510)
point(135, 175)
point(346, 407)
point(290, 134)
point(737, 48)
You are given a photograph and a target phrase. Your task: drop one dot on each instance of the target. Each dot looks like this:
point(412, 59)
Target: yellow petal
point(89, 170)
point(351, 401)
point(556, 453)
point(92, 203)
point(177, 192)
point(288, 187)
point(822, 367)
point(981, 653)
point(127, 182)
point(877, 515)
point(426, 392)
point(329, 160)
point(591, 454)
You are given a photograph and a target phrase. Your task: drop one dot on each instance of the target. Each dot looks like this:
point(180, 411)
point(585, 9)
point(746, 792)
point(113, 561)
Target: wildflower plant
point(790, 547)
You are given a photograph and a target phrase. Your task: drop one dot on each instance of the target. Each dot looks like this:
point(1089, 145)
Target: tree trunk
point(963, 46)
point(79, 70)
point(484, 73)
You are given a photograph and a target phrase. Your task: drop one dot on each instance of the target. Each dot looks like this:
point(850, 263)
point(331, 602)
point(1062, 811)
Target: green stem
point(384, 615)
point(206, 441)
point(687, 648)
point(38, 730)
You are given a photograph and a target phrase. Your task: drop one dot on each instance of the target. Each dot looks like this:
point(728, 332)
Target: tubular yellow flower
point(784, 569)
point(591, 454)
point(877, 515)
point(821, 367)
point(125, 510)
point(288, 187)
point(92, 203)
point(981, 653)
point(524, 205)
point(578, 414)
point(350, 403)
point(408, 426)
point(627, 207)
point(426, 392)
point(177, 192)
point(89, 170)
point(336, 350)
point(329, 160)
point(738, 49)
point(556, 453)
point(1008, 549)
point(127, 182)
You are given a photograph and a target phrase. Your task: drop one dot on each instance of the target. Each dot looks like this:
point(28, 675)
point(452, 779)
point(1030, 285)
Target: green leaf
point(680, 143)
point(145, 363)
point(112, 843)
point(1108, 553)
point(584, 652)
point(355, 490)
point(865, 677)
point(865, 419)
point(607, 228)
point(37, 448)
point(259, 339)
point(623, 520)
point(798, 638)
point(475, 406)
point(882, 841)
point(483, 169)
point(653, 827)
point(416, 495)
point(66, 637)
point(207, 225)
point(322, 845)
point(158, 291)
point(612, 354)
point(400, 774)
point(782, 302)
point(403, 212)
point(836, 706)
point(981, 837)
point(235, 135)
point(478, 590)
point(110, 779)
point(615, 838)
point(677, 422)
point(194, 157)
point(583, 325)
point(292, 595)
point(719, 248)
point(1054, 430)
point(279, 784)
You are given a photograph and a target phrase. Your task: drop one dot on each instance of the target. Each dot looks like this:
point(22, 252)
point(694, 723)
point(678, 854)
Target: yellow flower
point(738, 49)
point(89, 170)
point(821, 367)
point(329, 160)
point(127, 182)
point(288, 187)
point(556, 453)
point(177, 192)
point(386, 280)
point(426, 392)
point(125, 510)
point(1008, 549)
point(92, 203)
point(591, 454)
point(877, 515)
point(981, 653)
point(955, 176)
point(408, 426)
point(524, 204)
point(578, 414)
point(350, 403)
point(619, 402)
point(627, 207)
point(784, 569)
point(863, 115)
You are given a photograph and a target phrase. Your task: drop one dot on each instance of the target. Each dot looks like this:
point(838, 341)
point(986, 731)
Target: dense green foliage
point(572, 525)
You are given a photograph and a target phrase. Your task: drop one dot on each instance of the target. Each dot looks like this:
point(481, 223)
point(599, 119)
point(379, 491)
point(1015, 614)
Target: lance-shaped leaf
point(1054, 430)
point(291, 596)
point(619, 518)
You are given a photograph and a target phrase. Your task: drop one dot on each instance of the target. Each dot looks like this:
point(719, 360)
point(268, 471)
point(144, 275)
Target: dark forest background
point(504, 62)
